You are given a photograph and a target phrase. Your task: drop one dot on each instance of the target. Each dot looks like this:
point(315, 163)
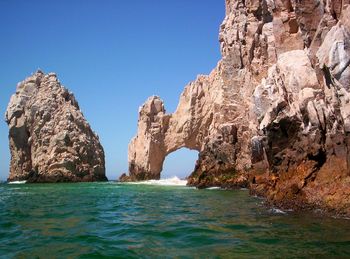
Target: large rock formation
point(273, 115)
point(50, 141)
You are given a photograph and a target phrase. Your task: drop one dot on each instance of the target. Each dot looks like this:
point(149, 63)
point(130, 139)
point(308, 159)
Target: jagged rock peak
point(50, 140)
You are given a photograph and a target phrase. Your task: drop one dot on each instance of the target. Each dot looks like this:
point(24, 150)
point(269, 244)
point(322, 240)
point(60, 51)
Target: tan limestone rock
point(50, 140)
point(273, 115)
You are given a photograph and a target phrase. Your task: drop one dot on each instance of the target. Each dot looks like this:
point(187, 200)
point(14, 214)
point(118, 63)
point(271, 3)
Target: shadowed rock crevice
point(50, 140)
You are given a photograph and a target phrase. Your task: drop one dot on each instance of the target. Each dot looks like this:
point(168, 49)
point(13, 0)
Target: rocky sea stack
point(274, 115)
point(50, 140)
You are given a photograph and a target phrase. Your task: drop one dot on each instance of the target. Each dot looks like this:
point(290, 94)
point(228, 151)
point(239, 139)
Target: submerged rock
point(273, 115)
point(50, 140)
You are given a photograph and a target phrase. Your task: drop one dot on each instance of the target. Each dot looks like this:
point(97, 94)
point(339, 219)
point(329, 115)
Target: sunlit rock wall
point(274, 113)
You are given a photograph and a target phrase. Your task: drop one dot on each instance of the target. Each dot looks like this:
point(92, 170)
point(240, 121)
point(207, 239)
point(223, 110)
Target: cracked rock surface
point(50, 140)
point(274, 115)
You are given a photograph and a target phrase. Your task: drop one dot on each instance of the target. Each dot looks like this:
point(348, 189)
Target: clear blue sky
point(112, 54)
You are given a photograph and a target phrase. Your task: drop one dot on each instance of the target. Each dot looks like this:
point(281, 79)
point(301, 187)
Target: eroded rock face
point(50, 140)
point(273, 115)
point(304, 126)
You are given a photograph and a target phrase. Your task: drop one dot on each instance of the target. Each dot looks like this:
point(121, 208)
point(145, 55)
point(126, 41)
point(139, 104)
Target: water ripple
point(97, 220)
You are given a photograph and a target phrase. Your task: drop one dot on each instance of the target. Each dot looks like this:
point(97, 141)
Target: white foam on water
point(17, 182)
point(213, 188)
point(277, 211)
point(174, 181)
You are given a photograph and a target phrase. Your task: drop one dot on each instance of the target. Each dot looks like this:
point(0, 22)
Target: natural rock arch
point(205, 119)
point(159, 134)
point(273, 115)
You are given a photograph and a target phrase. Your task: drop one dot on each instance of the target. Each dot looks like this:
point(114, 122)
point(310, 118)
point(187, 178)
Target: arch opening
point(179, 163)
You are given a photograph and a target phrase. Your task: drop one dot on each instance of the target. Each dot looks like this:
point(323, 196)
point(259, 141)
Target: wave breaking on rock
point(173, 181)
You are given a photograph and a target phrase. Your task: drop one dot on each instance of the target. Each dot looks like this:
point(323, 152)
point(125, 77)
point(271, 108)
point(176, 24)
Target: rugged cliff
point(50, 141)
point(273, 115)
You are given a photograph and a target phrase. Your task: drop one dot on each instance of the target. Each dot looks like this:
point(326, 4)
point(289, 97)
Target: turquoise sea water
point(111, 220)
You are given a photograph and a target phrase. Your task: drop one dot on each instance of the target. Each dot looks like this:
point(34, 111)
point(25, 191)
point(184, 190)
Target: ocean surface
point(158, 220)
